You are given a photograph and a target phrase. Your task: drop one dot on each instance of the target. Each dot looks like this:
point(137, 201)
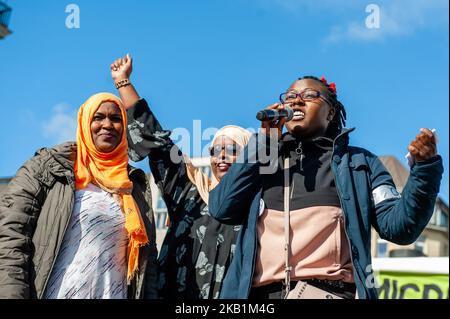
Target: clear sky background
point(221, 61)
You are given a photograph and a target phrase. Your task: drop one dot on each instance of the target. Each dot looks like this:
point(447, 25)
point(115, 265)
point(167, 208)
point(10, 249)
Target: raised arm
point(230, 200)
point(401, 219)
point(147, 139)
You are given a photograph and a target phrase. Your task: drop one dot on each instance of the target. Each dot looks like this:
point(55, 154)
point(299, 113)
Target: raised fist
point(121, 68)
point(424, 146)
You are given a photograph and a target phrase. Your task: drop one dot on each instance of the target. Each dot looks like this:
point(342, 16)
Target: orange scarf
point(110, 172)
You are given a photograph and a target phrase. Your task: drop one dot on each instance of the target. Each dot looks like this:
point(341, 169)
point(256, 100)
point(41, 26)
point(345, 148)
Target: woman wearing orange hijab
point(76, 220)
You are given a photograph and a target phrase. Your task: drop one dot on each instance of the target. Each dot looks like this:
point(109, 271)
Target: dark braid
point(338, 121)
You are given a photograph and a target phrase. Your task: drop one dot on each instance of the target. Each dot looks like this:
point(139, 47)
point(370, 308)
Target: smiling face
point(311, 118)
point(224, 154)
point(107, 127)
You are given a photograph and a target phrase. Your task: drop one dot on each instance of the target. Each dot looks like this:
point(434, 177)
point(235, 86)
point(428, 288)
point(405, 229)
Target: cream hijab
point(203, 183)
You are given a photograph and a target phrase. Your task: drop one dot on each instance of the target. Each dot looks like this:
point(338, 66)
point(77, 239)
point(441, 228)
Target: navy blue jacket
point(368, 198)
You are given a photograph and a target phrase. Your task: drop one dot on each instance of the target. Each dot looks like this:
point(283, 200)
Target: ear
point(331, 113)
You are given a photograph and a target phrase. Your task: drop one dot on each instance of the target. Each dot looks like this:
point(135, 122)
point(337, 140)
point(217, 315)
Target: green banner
point(403, 285)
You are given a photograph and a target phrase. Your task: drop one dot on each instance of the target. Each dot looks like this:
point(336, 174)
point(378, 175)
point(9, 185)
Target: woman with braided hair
point(306, 226)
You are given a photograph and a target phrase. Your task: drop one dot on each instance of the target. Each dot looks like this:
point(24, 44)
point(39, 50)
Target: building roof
point(397, 170)
point(3, 183)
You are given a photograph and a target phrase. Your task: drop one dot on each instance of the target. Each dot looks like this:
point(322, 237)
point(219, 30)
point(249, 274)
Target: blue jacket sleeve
point(230, 200)
point(402, 220)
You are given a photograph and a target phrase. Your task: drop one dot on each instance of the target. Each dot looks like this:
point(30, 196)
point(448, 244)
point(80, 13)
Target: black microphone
point(274, 115)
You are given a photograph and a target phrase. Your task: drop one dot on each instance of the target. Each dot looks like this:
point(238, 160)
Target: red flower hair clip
point(332, 85)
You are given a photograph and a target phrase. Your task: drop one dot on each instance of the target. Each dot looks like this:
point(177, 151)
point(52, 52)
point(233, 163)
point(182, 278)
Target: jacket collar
point(62, 158)
point(341, 141)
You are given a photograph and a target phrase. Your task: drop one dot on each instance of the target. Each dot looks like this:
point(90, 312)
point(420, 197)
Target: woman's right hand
point(121, 68)
point(266, 126)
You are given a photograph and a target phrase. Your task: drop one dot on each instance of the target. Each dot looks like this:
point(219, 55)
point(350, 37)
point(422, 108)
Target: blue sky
point(221, 61)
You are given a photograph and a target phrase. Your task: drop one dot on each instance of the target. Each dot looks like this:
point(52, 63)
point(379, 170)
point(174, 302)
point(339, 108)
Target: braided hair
point(338, 121)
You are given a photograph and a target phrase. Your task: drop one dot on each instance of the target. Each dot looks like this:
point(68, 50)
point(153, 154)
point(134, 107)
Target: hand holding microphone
point(274, 117)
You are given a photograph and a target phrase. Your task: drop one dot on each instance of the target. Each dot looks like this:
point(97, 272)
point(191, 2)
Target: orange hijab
point(110, 172)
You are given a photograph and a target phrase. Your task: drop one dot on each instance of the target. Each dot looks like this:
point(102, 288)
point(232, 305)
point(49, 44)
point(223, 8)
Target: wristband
point(122, 83)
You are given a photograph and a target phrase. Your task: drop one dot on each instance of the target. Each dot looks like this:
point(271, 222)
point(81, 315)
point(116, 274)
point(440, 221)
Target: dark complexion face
point(221, 162)
point(311, 118)
point(107, 127)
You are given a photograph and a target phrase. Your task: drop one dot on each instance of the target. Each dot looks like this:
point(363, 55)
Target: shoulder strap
point(287, 268)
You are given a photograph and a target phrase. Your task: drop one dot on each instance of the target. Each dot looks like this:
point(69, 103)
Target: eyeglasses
point(306, 95)
point(230, 150)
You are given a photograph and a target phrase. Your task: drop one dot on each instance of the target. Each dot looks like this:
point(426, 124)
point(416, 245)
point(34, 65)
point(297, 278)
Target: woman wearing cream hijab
point(197, 248)
point(87, 217)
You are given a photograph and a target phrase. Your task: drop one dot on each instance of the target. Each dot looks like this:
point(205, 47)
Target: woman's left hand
point(424, 146)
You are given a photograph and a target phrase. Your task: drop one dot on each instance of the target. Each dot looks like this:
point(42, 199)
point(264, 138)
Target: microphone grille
point(290, 113)
point(261, 116)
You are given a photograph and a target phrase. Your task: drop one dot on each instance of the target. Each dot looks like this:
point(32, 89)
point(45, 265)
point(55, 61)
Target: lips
point(107, 136)
point(223, 167)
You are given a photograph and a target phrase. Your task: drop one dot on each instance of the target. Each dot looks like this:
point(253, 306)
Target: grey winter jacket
point(35, 210)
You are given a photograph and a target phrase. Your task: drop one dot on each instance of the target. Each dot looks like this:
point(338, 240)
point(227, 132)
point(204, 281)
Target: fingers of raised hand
point(426, 136)
point(424, 145)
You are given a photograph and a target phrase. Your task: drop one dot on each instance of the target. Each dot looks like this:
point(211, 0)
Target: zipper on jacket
point(299, 151)
point(44, 288)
